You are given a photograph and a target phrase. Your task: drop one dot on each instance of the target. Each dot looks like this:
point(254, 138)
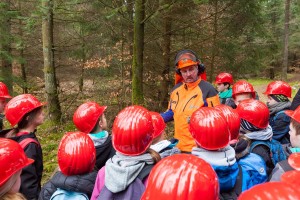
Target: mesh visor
point(185, 60)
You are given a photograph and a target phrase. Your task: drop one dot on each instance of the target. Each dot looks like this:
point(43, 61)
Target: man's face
point(189, 74)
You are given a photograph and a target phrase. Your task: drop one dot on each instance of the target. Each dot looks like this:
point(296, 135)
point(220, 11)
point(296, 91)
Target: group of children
point(242, 146)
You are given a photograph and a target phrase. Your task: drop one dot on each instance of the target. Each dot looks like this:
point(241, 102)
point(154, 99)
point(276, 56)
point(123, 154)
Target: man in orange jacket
point(187, 96)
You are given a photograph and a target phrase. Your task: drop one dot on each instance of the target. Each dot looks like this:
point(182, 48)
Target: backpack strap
point(239, 182)
point(145, 172)
point(276, 115)
point(285, 166)
point(263, 143)
point(24, 143)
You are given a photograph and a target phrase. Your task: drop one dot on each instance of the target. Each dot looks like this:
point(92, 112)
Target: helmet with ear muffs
point(187, 57)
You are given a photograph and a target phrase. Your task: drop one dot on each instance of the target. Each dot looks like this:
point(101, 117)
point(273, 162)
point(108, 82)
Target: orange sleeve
point(213, 101)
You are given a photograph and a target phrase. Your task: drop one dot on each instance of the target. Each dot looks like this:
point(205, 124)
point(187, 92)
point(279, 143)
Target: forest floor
point(50, 138)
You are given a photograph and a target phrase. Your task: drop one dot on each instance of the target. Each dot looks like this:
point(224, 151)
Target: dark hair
point(226, 83)
point(156, 157)
point(296, 126)
point(96, 126)
point(26, 119)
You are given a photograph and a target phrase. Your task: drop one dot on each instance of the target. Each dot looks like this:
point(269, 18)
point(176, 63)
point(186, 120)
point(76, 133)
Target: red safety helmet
point(279, 87)
point(159, 124)
point(132, 131)
point(294, 160)
point(182, 177)
point(233, 119)
point(291, 177)
point(294, 114)
point(12, 159)
point(4, 91)
point(76, 154)
point(86, 116)
point(242, 86)
point(19, 106)
point(224, 78)
point(209, 128)
point(271, 190)
point(255, 112)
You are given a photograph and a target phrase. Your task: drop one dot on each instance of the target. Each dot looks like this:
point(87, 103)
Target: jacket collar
point(192, 85)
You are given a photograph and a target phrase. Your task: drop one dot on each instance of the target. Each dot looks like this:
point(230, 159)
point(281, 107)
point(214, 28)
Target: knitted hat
point(248, 126)
point(279, 97)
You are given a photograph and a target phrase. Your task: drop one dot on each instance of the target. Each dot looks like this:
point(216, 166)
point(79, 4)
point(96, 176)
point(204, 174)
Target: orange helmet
point(12, 159)
point(224, 78)
point(271, 190)
point(279, 87)
point(182, 177)
point(4, 91)
point(185, 58)
point(242, 86)
point(132, 131)
point(158, 124)
point(209, 128)
point(19, 106)
point(87, 115)
point(76, 154)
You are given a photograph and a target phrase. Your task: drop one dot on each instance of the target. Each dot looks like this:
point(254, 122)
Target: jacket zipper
point(177, 99)
point(189, 101)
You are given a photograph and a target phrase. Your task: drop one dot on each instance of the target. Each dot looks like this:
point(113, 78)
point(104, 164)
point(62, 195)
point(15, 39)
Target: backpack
point(254, 170)
point(61, 194)
point(236, 190)
point(276, 150)
point(27, 141)
point(134, 191)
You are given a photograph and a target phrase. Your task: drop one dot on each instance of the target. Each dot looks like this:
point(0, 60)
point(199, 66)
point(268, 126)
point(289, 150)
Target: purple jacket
point(100, 182)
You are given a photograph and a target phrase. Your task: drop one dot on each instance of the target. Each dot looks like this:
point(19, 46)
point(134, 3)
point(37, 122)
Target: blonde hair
point(13, 196)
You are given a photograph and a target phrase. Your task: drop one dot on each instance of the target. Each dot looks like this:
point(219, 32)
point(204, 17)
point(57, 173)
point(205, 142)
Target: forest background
point(121, 52)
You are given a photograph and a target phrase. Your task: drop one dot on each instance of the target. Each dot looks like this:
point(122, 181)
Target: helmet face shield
point(185, 60)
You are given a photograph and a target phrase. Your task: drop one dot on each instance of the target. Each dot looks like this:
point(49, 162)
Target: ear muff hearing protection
point(194, 57)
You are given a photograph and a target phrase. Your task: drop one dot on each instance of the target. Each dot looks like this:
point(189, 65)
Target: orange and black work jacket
point(185, 98)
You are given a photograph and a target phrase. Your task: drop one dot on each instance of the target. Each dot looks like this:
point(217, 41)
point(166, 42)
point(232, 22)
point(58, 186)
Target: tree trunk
point(214, 42)
point(138, 51)
point(286, 40)
point(82, 58)
point(166, 47)
point(5, 47)
point(54, 111)
point(21, 53)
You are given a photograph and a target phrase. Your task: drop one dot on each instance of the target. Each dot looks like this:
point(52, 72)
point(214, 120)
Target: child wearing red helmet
point(182, 177)
point(278, 93)
point(293, 147)
point(255, 127)
point(4, 95)
point(210, 130)
point(26, 111)
point(76, 176)
point(124, 176)
point(224, 81)
point(160, 145)
point(12, 161)
point(89, 118)
point(242, 90)
point(274, 190)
